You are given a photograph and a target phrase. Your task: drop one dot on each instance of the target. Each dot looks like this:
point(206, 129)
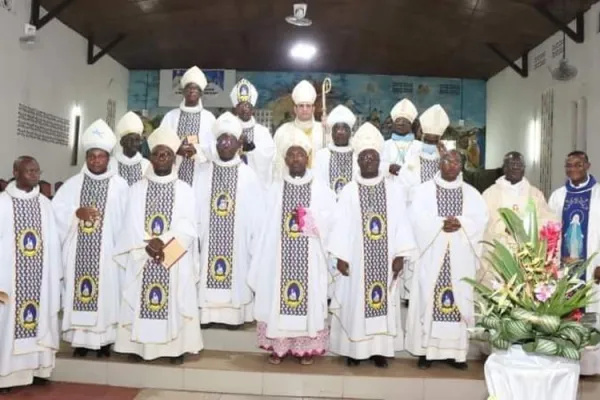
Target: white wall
point(513, 102)
point(51, 77)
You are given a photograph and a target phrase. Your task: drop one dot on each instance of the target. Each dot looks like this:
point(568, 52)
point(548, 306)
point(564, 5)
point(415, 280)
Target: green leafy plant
point(532, 301)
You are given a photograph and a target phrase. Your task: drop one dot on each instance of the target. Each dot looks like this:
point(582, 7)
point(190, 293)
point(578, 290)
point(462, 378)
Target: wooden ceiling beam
point(576, 35)
point(40, 22)
point(523, 70)
point(93, 58)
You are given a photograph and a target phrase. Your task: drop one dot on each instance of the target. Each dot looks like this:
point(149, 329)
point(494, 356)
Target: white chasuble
point(371, 229)
point(159, 311)
point(260, 159)
point(30, 276)
point(131, 169)
point(397, 152)
point(230, 200)
point(503, 194)
point(590, 358)
point(289, 272)
point(418, 168)
point(313, 129)
point(441, 304)
point(194, 126)
point(91, 292)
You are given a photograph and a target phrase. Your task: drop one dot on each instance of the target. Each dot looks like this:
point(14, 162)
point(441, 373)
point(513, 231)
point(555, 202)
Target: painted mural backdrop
point(369, 96)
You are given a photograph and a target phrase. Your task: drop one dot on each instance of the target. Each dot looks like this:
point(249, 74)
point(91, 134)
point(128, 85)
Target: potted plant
point(532, 314)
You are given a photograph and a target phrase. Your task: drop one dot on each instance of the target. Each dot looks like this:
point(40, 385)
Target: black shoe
point(5, 391)
point(206, 326)
point(423, 363)
point(80, 352)
point(352, 362)
point(233, 327)
point(104, 351)
point(458, 365)
point(40, 381)
point(380, 361)
point(176, 360)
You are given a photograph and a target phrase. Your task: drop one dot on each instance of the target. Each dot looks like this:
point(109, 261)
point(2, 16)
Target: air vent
point(539, 60)
point(557, 48)
point(450, 89)
point(402, 87)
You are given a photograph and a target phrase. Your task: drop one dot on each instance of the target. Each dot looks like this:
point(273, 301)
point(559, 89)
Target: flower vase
point(514, 374)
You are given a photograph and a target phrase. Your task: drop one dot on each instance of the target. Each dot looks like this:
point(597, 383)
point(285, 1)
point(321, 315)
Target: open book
point(173, 252)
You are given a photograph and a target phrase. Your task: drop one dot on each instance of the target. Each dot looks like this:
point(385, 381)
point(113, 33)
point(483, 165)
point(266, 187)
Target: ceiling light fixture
point(303, 51)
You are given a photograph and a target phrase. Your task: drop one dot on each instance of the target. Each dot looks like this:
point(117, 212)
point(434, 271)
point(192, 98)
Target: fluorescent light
point(303, 51)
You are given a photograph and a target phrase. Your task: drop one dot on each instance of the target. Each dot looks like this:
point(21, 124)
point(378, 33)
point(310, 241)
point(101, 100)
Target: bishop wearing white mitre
point(193, 124)
point(159, 309)
point(230, 200)
point(258, 147)
point(130, 163)
point(304, 96)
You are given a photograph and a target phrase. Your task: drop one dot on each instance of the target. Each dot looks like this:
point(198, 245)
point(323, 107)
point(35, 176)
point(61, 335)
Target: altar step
point(251, 374)
point(244, 340)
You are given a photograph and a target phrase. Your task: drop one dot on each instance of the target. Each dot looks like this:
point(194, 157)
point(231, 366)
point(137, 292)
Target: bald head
point(23, 159)
point(513, 167)
point(26, 171)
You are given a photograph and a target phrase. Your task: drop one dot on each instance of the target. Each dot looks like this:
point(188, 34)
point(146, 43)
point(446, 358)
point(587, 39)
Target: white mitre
point(367, 137)
point(341, 114)
point(194, 75)
point(98, 136)
point(227, 123)
point(164, 136)
point(404, 109)
point(243, 91)
point(434, 121)
point(293, 136)
point(304, 93)
point(130, 123)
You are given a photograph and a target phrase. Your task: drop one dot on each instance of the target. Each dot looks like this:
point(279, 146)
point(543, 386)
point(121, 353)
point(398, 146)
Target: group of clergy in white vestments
point(317, 234)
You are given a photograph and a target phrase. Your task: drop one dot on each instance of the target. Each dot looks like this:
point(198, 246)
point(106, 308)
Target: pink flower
point(306, 222)
point(551, 234)
point(543, 291)
point(552, 269)
point(576, 315)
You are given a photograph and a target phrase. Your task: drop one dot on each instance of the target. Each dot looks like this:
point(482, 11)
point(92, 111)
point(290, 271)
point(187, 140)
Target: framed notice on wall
point(216, 94)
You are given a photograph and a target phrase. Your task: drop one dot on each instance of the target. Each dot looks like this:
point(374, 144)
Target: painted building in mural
point(371, 97)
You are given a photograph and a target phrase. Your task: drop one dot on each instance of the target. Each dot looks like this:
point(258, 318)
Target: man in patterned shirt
point(421, 166)
point(193, 124)
point(370, 238)
point(289, 272)
point(29, 280)
point(230, 200)
point(448, 218)
point(89, 210)
point(130, 164)
point(258, 147)
point(159, 307)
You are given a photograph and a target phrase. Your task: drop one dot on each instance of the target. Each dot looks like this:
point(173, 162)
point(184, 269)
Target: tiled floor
point(72, 391)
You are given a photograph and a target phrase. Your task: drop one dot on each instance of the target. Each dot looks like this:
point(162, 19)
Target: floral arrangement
point(534, 302)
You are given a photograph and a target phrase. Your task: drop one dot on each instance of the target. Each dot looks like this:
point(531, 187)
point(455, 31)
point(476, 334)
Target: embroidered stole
point(446, 314)
point(575, 221)
point(156, 287)
point(340, 170)
point(28, 273)
point(131, 173)
point(373, 206)
point(294, 252)
point(428, 169)
point(221, 231)
point(88, 254)
point(189, 125)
